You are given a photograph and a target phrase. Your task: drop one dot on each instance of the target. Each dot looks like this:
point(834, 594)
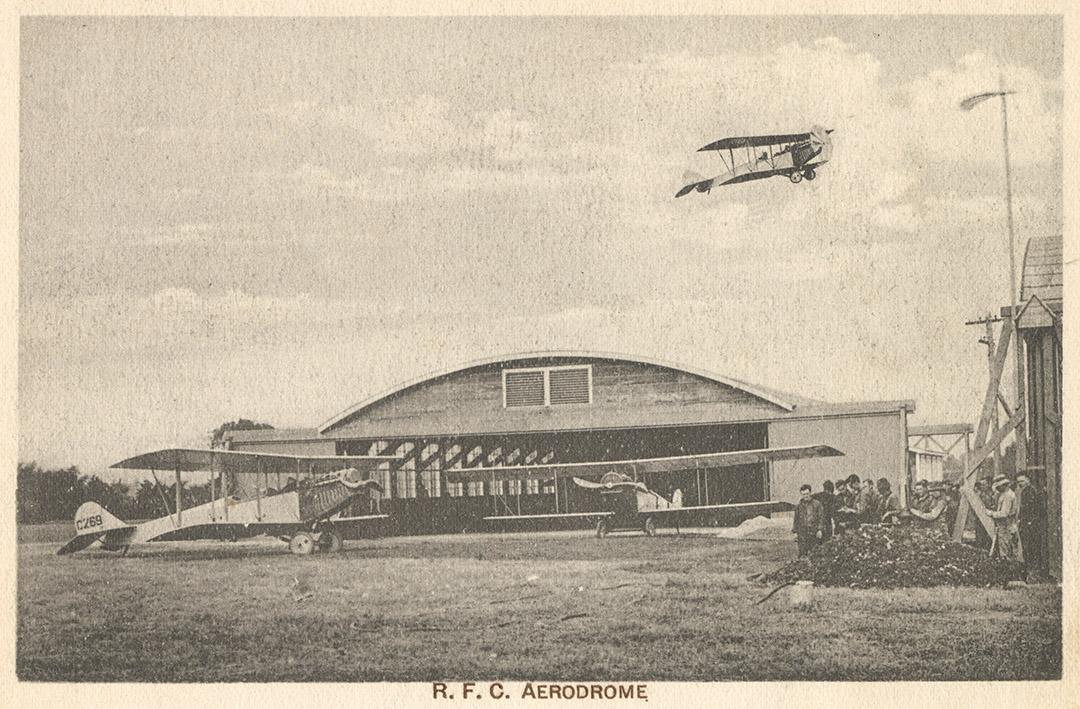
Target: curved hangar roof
point(548, 391)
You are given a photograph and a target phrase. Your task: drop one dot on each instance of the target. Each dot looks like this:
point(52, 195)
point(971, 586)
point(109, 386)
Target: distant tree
point(238, 425)
point(46, 495)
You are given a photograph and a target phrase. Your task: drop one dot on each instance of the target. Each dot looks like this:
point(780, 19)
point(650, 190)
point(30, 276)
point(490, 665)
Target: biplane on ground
point(625, 502)
point(755, 157)
point(251, 494)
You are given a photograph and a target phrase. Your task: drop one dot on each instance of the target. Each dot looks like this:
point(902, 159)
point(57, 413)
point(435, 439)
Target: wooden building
point(1040, 328)
point(563, 407)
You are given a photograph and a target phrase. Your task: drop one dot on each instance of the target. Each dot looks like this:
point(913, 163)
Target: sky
point(277, 218)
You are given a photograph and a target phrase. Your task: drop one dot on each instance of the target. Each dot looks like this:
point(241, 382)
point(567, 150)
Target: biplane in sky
point(624, 501)
point(755, 157)
point(251, 494)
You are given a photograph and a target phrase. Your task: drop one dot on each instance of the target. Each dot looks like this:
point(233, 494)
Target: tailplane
point(92, 521)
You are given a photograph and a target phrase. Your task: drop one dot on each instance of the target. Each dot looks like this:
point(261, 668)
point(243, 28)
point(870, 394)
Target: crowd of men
point(1017, 510)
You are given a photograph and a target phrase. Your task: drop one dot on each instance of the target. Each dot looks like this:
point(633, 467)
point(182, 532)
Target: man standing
point(828, 506)
point(986, 497)
point(928, 512)
point(952, 505)
point(890, 504)
point(1006, 521)
point(1032, 525)
point(844, 512)
point(866, 502)
point(809, 521)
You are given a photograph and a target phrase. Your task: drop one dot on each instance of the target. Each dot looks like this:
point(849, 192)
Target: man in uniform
point(844, 512)
point(1006, 521)
point(809, 521)
point(1032, 525)
point(866, 502)
point(986, 496)
point(890, 503)
point(928, 511)
point(952, 502)
point(829, 504)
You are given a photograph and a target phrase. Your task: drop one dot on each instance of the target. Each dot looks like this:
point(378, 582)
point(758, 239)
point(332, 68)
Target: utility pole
point(967, 104)
point(988, 340)
point(1021, 433)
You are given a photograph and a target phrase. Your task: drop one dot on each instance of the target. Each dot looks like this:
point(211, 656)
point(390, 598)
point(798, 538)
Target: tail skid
point(92, 522)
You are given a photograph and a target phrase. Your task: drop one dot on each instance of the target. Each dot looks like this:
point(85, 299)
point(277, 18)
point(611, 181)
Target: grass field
point(557, 606)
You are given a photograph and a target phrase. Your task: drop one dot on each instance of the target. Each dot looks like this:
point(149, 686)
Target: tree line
point(44, 495)
point(50, 495)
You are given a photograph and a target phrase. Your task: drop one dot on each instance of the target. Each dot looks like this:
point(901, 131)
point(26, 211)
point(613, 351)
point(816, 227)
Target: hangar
point(566, 407)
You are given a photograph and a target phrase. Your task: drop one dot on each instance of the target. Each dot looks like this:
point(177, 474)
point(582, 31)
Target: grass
point(559, 606)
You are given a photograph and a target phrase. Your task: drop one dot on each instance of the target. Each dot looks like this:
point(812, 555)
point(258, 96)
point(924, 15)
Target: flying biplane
point(793, 155)
point(289, 497)
point(625, 501)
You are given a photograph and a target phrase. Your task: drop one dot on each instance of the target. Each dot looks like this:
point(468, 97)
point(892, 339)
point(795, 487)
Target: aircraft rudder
point(92, 518)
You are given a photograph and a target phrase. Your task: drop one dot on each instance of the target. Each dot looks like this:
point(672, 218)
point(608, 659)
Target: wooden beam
point(969, 500)
point(994, 385)
point(944, 429)
point(981, 454)
point(1004, 405)
point(971, 464)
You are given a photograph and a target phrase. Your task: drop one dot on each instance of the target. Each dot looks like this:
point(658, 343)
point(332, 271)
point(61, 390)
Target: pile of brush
point(885, 556)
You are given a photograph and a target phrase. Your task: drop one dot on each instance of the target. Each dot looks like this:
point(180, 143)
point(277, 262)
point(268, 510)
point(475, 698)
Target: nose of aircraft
point(350, 476)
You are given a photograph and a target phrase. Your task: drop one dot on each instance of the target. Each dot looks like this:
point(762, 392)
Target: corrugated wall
point(872, 445)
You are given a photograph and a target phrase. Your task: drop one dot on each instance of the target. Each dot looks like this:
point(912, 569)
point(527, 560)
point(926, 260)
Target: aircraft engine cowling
point(804, 153)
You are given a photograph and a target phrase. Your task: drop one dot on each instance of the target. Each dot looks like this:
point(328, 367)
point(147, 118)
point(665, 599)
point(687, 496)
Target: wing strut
point(179, 500)
point(258, 493)
point(225, 493)
point(213, 497)
point(164, 500)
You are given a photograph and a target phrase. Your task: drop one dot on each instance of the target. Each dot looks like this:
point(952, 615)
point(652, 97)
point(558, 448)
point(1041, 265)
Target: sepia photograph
point(540, 357)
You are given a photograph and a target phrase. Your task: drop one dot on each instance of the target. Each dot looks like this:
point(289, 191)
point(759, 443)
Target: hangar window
point(570, 385)
point(547, 386)
point(524, 387)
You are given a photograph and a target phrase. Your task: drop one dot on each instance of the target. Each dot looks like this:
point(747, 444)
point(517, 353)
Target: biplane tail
point(92, 522)
point(697, 182)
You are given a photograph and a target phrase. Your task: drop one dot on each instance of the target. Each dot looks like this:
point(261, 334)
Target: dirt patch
point(880, 556)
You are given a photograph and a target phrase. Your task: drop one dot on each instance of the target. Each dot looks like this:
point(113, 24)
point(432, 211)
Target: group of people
point(841, 506)
point(1019, 516)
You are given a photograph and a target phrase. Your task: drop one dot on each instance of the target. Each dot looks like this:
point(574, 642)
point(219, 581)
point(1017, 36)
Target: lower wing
point(749, 507)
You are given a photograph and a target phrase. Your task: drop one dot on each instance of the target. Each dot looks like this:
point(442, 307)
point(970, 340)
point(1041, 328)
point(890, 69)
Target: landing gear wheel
point(302, 543)
point(795, 177)
point(601, 529)
point(650, 527)
point(809, 173)
point(330, 541)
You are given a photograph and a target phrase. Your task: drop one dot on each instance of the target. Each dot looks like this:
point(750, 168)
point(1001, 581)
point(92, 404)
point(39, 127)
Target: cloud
point(428, 150)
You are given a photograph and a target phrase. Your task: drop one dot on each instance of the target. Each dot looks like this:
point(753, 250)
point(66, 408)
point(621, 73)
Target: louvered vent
point(524, 387)
point(569, 386)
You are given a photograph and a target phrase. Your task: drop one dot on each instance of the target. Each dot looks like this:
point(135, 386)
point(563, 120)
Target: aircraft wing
point(755, 141)
point(188, 460)
point(754, 508)
point(640, 466)
point(590, 485)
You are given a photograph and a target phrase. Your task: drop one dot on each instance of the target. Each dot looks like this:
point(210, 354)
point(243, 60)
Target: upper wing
point(755, 141)
point(246, 462)
point(640, 466)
